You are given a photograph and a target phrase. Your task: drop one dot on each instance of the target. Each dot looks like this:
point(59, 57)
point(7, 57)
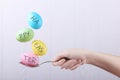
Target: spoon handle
point(46, 62)
point(54, 61)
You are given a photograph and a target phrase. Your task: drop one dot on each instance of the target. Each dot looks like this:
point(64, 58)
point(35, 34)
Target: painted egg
point(39, 48)
point(35, 20)
point(24, 35)
point(30, 59)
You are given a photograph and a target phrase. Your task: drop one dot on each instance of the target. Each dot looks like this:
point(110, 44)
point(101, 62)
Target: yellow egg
point(39, 48)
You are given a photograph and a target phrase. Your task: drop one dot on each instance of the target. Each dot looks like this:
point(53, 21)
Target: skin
point(78, 57)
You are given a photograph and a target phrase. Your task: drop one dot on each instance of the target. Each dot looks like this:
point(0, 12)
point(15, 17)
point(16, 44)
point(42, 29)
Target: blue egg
point(35, 20)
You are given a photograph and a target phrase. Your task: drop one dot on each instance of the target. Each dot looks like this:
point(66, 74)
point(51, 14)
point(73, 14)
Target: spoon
point(44, 62)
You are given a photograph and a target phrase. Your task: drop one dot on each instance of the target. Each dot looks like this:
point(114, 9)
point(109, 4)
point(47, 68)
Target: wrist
point(90, 57)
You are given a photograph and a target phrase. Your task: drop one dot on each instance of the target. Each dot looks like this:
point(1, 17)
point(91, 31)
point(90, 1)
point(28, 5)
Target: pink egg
point(30, 59)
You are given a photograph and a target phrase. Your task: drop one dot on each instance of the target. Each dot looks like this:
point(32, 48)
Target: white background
point(92, 24)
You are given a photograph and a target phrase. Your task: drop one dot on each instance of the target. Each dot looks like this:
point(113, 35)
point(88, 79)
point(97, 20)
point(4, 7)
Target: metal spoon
point(45, 62)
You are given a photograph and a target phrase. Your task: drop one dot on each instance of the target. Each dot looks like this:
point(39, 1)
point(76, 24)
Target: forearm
point(107, 62)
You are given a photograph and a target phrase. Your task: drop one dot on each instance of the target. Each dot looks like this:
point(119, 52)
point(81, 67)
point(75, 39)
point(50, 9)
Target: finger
point(80, 63)
point(61, 55)
point(57, 58)
point(76, 66)
point(59, 63)
point(69, 64)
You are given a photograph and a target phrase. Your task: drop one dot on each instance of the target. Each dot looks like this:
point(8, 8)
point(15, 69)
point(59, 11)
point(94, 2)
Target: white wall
point(92, 24)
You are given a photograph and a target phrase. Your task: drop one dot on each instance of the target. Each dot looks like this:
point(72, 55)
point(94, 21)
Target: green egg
point(25, 35)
